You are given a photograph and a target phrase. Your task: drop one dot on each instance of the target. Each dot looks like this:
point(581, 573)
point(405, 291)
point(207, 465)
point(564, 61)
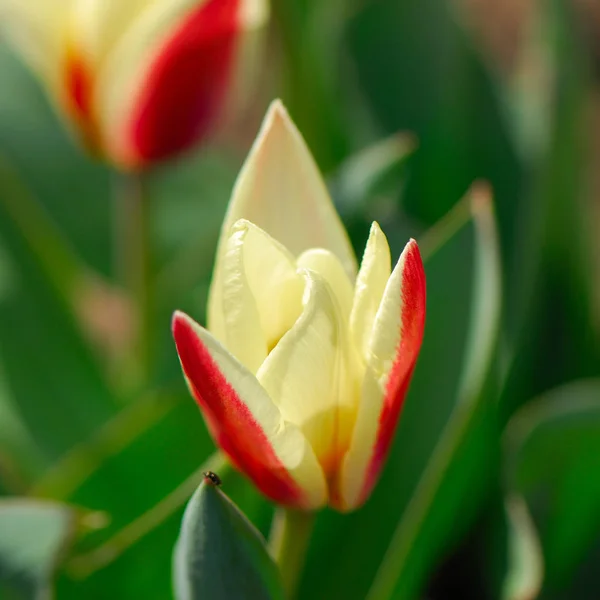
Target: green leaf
point(219, 553)
point(34, 535)
point(526, 565)
point(20, 458)
point(364, 175)
point(553, 460)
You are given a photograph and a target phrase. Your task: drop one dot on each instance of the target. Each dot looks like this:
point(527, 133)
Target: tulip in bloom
point(303, 370)
point(140, 80)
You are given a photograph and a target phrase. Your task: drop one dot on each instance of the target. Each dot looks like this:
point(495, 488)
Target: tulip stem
point(288, 544)
point(134, 264)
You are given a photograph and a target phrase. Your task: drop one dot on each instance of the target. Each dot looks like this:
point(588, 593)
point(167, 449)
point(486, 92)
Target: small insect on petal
point(211, 478)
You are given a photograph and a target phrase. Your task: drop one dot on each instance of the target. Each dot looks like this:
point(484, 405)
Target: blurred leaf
point(140, 469)
point(34, 535)
point(553, 460)
point(106, 553)
point(416, 543)
point(74, 190)
point(376, 170)
point(419, 73)
point(219, 553)
point(60, 392)
point(52, 253)
point(20, 459)
point(310, 33)
point(526, 564)
point(552, 339)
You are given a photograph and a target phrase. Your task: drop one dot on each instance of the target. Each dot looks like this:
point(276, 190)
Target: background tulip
point(303, 374)
point(139, 81)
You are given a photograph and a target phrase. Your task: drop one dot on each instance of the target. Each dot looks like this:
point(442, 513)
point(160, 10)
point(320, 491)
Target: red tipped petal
point(186, 83)
point(394, 348)
point(413, 326)
point(245, 423)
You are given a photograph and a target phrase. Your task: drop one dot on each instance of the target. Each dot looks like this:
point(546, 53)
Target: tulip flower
point(140, 80)
point(303, 370)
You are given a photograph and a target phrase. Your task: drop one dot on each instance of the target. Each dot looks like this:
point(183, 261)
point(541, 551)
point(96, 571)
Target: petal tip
point(176, 319)
point(254, 13)
point(277, 118)
point(277, 110)
point(375, 228)
point(180, 324)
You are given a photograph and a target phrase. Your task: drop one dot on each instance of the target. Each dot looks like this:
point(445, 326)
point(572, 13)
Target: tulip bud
point(303, 372)
point(138, 80)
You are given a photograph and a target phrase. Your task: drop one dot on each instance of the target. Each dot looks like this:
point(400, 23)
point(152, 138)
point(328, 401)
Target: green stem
point(133, 266)
point(288, 544)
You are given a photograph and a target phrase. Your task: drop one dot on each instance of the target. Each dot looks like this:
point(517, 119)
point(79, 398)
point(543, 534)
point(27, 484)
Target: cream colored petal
point(261, 292)
point(309, 377)
point(38, 30)
point(246, 422)
point(326, 264)
point(281, 190)
point(99, 25)
point(241, 334)
point(373, 275)
point(355, 463)
point(254, 13)
point(392, 352)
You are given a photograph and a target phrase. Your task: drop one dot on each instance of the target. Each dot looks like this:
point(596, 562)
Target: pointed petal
point(328, 265)
point(372, 278)
point(261, 292)
point(393, 350)
point(309, 377)
point(245, 423)
point(164, 82)
point(281, 190)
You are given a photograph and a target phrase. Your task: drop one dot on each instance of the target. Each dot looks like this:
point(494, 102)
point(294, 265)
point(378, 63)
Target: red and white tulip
point(140, 80)
point(303, 370)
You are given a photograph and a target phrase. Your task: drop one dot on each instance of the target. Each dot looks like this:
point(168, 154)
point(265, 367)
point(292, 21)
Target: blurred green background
point(492, 489)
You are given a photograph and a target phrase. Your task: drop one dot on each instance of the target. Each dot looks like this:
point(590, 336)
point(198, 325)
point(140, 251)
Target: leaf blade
point(219, 553)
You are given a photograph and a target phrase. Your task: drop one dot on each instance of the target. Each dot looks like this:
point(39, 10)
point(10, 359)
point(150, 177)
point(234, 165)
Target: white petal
point(261, 294)
point(309, 376)
point(373, 275)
